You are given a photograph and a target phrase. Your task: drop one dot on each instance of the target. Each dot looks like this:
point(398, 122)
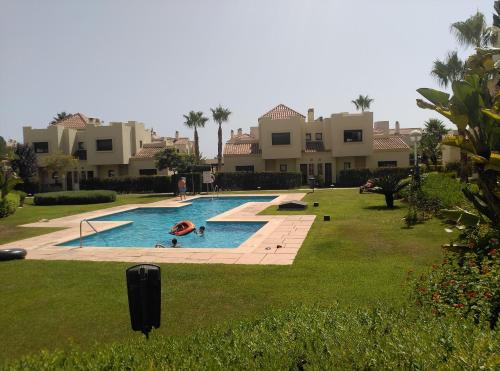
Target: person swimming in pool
point(173, 244)
point(200, 232)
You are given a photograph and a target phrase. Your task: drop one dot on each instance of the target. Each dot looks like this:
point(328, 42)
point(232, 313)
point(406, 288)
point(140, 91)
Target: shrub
point(142, 184)
point(249, 181)
point(317, 338)
point(29, 187)
point(358, 177)
point(74, 197)
point(22, 197)
point(442, 191)
point(9, 204)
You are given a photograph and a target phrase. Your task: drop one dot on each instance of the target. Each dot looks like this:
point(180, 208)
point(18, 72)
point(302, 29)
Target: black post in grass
point(144, 297)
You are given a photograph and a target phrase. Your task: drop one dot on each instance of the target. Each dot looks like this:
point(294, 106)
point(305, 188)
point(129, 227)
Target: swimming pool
point(151, 225)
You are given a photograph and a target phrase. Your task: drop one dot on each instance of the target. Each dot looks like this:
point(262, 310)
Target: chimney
point(310, 115)
point(240, 132)
point(176, 135)
point(232, 133)
point(397, 128)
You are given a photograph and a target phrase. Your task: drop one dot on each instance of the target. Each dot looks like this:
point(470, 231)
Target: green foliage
point(443, 191)
point(3, 147)
point(390, 184)
point(25, 161)
point(220, 115)
point(173, 161)
point(362, 102)
point(447, 71)
point(9, 204)
point(8, 180)
point(431, 139)
point(195, 120)
point(298, 338)
point(250, 181)
point(22, 197)
point(59, 117)
point(472, 32)
point(142, 184)
point(58, 163)
point(74, 197)
point(358, 177)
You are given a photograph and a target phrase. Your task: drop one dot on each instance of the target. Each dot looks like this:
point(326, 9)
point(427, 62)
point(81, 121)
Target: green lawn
point(359, 258)
point(30, 214)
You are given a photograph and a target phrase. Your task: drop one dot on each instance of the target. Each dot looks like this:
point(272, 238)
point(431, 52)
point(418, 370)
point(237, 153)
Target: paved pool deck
point(277, 243)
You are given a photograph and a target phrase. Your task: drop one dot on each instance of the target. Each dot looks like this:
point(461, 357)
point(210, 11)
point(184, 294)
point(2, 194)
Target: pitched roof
point(389, 143)
point(75, 121)
point(149, 150)
point(281, 112)
point(315, 146)
point(241, 149)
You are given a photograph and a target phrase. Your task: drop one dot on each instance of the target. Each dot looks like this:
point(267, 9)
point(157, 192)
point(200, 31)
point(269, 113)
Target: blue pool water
point(151, 225)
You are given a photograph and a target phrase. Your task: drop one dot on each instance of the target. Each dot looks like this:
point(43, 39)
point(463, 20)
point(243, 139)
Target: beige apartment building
point(285, 141)
point(103, 151)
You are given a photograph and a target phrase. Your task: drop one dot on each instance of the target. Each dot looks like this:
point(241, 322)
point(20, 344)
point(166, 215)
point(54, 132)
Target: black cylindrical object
point(144, 297)
point(316, 204)
point(326, 218)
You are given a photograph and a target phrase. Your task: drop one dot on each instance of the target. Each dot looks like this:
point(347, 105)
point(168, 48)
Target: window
point(140, 144)
point(387, 164)
point(308, 137)
point(347, 165)
point(90, 174)
point(81, 146)
point(104, 144)
point(283, 168)
point(320, 169)
point(245, 169)
point(311, 169)
point(279, 139)
point(111, 173)
point(147, 172)
point(353, 135)
point(41, 147)
point(319, 136)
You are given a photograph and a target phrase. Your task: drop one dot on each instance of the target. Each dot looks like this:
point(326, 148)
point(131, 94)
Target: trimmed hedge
point(9, 204)
point(74, 197)
point(142, 184)
point(358, 177)
point(250, 181)
point(315, 338)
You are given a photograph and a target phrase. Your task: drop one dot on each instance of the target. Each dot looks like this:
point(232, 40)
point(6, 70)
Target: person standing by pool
point(181, 184)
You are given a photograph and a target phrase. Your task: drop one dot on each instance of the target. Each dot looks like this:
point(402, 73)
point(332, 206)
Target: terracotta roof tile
point(315, 146)
point(281, 112)
point(75, 121)
point(148, 152)
point(241, 149)
point(389, 143)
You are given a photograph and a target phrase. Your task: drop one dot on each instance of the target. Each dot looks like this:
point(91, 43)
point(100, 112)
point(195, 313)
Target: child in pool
point(200, 232)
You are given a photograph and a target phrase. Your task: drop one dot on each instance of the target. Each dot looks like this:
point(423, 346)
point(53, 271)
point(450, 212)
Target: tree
point(59, 117)
point(220, 115)
point(431, 138)
point(390, 184)
point(449, 70)
point(59, 163)
point(25, 162)
point(3, 148)
point(472, 32)
point(362, 102)
point(195, 120)
point(476, 113)
point(171, 160)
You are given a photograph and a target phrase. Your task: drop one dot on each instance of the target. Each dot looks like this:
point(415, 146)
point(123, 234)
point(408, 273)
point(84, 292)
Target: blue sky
point(154, 61)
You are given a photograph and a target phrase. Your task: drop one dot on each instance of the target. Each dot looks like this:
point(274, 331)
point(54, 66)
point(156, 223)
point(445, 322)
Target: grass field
point(360, 258)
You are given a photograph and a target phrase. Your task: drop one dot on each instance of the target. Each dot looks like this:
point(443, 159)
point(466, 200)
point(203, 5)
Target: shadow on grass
point(382, 207)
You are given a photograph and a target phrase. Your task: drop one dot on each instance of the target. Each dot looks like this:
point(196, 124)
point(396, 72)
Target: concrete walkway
point(277, 242)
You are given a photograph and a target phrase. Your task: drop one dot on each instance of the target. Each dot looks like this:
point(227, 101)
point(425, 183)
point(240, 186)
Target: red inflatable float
point(182, 228)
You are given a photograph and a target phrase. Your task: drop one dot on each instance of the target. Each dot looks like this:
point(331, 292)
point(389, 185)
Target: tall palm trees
point(220, 115)
point(473, 31)
point(449, 70)
point(195, 120)
point(362, 102)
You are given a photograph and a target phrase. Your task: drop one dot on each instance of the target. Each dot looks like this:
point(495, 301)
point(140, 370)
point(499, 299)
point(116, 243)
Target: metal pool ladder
point(91, 226)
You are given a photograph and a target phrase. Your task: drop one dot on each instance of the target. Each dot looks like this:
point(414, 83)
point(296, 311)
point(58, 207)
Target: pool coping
point(276, 243)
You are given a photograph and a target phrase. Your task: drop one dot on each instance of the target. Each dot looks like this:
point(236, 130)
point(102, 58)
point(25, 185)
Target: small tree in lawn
point(431, 140)
point(59, 163)
point(25, 162)
point(389, 185)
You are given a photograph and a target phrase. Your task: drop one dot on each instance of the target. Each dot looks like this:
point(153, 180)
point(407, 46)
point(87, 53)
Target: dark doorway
point(69, 180)
point(303, 171)
point(328, 174)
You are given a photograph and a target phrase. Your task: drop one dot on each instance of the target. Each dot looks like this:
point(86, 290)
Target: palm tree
point(195, 120)
point(449, 70)
point(390, 184)
point(362, 102)
point(59, 117)
point(473, 31)
point(220, 115)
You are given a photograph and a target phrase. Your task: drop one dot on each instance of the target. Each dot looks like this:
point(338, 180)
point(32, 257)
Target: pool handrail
point(91, 226)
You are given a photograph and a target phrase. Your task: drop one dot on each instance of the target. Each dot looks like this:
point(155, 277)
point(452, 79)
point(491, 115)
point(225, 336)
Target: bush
point(250, 181)
point(442, 191)
point(74, 197)
point(9, 204)
point(29, 187)
point(142, 184)
point(358, 177)
point(22, 197)
point(315, 338)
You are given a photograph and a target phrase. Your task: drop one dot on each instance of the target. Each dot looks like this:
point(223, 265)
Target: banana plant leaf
point(460, 216)
point(435, 96)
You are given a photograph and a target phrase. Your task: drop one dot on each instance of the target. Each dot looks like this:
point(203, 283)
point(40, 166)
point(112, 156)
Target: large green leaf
point(435, 96)
point(460, 216)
